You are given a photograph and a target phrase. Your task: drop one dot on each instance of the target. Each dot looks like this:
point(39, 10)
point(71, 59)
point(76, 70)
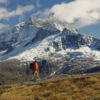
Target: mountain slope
point(38, 38)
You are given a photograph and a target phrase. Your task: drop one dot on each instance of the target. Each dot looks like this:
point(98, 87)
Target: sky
point(84, 15)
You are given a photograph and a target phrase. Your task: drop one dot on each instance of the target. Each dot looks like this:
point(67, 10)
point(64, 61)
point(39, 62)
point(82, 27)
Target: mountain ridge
point(33, 32)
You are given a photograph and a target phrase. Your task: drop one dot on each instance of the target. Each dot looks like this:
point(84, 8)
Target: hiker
point(35, 67)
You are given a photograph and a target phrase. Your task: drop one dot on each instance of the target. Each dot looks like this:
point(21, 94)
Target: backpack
point(34, 65)
point(31, 65)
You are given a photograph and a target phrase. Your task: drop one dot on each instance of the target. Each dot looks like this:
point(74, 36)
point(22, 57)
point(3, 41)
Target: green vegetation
point(79, 87)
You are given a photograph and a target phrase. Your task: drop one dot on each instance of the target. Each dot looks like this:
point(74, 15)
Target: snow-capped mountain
point(45, 38)
point(59, 48)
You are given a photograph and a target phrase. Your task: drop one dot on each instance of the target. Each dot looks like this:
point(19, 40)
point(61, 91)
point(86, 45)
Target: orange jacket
point(35, 65)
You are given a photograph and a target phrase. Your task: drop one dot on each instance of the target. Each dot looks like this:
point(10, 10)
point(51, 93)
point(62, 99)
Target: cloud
point(41, 14)
point(3, 1)
point(4, 26)
point(20, 9)
point(5, 14)
point(79, 13)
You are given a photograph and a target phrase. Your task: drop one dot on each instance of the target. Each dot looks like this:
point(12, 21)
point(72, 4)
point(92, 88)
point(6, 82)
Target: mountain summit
point(43, 38)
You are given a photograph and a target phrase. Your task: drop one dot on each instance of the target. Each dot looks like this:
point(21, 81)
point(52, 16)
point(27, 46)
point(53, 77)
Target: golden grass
point(80, 87)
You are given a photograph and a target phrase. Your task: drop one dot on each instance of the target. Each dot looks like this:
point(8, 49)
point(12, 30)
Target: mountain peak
point(51, 24)
point(61, 25)
point(44, 37)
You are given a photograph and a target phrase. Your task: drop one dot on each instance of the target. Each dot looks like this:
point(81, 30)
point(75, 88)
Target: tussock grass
point(80, 87)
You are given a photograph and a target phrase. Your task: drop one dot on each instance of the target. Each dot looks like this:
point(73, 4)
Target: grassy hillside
point(84, 87)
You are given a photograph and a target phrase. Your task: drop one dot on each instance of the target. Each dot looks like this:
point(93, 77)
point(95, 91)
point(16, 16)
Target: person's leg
point(37, 74)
